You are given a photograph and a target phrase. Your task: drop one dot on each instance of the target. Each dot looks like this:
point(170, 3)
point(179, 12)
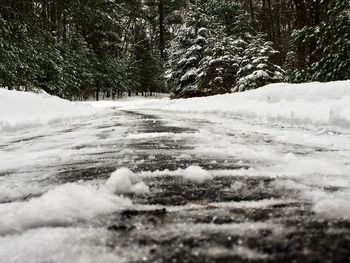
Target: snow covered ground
point(127, 101)
point(20, 110)
point(311, 105)
point(280, 149)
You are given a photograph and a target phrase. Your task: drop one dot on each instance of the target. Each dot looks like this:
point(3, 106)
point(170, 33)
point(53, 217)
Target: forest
point(80, 49)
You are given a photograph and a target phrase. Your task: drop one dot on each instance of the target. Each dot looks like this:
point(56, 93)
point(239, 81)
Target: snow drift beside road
point(300, 105)
point(25, 109)
point(320, 105)
point(126, 101)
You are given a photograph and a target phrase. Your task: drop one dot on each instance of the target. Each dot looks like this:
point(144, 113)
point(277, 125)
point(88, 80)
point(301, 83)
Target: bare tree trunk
point(301, 21)
point(161, 28)
point(314, 20)
point(251, 8)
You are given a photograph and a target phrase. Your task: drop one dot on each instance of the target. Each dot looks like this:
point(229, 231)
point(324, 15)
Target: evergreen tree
point(186, 53)
point(73, 49)
point(77, 71)
point(330, 59)
point(80, 48)
point(148, 71)
point(210, 55)
point(256, 68)
point(219, 68)
point(333, 44)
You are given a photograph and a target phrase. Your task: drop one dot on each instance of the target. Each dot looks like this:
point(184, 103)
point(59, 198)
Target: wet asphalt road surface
point(227, 219)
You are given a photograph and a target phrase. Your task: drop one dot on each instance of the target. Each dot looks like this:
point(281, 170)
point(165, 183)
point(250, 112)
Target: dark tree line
point(82, 48)
point(311, 35)
point(78, 48)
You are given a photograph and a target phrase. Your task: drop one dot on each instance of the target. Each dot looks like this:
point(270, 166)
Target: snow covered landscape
point(125, 181)
point(181, 131)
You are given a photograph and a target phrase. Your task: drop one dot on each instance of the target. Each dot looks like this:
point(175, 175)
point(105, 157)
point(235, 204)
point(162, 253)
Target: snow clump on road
point(63, 205)
point(124, 181)
point(70, 203)
point(196, 174)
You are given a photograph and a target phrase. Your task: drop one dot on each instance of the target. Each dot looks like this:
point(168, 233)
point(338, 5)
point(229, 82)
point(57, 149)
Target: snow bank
point(300, 105)
point(25, 109)
point(126, 101)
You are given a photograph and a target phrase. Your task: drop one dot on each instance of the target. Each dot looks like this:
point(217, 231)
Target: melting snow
point(69, 203)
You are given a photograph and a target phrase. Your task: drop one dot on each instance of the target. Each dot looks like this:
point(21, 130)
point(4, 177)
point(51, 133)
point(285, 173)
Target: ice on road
point(165, 186)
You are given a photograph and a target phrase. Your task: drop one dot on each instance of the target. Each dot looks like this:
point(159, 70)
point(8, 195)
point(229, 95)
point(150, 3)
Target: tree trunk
point(301, 21)
point(161, 28)
point(97, 93)
point(315, 19)
point(251, 8)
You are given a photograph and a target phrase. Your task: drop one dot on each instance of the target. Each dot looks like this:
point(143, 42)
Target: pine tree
point(333, 44)
point(256, 68)
point(330, 59)
point(147, 69)
point(202, 56)
point(219, 69)
point(8, 55)
point(186, 53)
point(211, 55)
point(77, 76)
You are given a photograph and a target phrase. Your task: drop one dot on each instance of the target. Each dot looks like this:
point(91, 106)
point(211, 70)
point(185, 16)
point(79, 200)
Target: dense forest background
point(80, 49)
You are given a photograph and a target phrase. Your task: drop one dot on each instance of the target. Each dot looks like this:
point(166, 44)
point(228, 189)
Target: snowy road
point(207, 189)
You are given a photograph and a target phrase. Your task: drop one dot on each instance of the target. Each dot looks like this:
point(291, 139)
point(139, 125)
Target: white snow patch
point(237, 186)
point(62, 205)
point(140, 188)
point(70, 203)
point(219, 252)
point(264, 203)
point(192, 173)
point(126, 101)
point(196, 174)
point(327, 204)
point(151, 135)
point(331, 205)
point(25, 109)
point(333, 208)
point(213, 173)
point(123, 180)
point(60, 245)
